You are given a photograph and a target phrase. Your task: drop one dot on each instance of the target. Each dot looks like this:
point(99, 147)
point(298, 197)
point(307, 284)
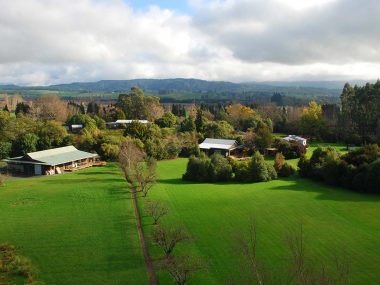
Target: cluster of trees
point(289, 150)
point(218, 168)
point(282, 168)
point(22, 134)
point(354, 121)
point(358, 170)
point(254, 170)
point(208, 169)
point(360, 118)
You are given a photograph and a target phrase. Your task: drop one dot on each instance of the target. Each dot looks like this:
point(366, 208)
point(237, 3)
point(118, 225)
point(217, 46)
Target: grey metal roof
point(55, 156)
point(217, 144)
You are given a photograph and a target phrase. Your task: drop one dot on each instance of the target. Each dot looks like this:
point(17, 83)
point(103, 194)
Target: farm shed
point(226, 147)
point(296, 139)
point(51, 161)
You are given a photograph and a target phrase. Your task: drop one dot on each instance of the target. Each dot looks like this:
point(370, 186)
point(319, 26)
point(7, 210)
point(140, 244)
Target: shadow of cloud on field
point(325, 191)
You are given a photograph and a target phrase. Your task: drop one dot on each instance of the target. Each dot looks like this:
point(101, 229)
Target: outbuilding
point(295, 139)
point(118, 123)
point(51, 161)
point(224, 146)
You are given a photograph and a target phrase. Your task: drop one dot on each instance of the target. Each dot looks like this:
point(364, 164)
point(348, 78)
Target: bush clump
point(220, 168)
point(290, 150)
point(282, 168)
point(208, 169)
point(358, 170)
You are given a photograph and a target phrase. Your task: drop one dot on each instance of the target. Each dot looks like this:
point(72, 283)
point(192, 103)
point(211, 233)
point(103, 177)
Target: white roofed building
point(295, 139)
point(219, 145)
point(118, 123)
point(51, 161)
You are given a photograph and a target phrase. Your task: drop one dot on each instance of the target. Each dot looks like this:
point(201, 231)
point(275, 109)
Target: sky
point(46, 42)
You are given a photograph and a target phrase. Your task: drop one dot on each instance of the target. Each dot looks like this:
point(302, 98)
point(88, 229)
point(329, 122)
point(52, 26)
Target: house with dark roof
point(51, 161)
point(225, 147)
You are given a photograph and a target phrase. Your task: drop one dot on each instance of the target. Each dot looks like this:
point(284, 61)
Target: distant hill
point(183, 85)
point(182, 89)
point(173, 85)
point(317, 84)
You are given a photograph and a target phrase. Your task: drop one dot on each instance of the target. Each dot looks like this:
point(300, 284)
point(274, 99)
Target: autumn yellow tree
point(311, 121)
point(238, 114)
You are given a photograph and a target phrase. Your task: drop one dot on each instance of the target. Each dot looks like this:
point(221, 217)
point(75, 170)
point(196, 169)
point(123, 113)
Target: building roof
point(294, 137)
point(55, 156)
point(218, 144)
point(79, 126)
point(130, 121)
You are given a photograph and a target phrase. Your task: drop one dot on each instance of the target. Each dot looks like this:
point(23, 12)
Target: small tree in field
point(167, 238)
point(139, 170)
point(156, 210)
point(181, 267)
point(2, 180)
point(279, 162)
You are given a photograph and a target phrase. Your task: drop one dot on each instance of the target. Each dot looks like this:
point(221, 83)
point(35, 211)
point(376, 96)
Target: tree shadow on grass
point(81, 180)
point(325, 191)
point(179, 181)
point(129, 252)
point(295, 183)
point(120, 193)
point(91, 173)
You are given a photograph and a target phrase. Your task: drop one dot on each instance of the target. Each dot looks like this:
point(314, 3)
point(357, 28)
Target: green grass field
point(79, 228)
point(334, 221)
point(76, 228)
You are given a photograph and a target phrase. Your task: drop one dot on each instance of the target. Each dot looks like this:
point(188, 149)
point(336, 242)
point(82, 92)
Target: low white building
point(295, 139)
point(218, 145)
point(118, 123)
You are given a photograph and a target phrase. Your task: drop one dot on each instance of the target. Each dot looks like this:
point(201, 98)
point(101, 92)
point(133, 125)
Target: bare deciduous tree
point(249, 250)
point(306, 271)
point(139, 171)
point(50, 107)
point(156, 210)
point(181, 267)
point(302, 269)
point(168, 237)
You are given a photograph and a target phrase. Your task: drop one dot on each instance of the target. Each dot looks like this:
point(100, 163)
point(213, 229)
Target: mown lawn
point(76, 228)
point(334, 221)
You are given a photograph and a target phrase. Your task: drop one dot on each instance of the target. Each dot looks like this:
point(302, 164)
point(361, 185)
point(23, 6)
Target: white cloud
point(52, 41)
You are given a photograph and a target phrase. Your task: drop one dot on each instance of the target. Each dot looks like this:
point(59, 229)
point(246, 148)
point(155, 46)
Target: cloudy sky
point(54, 41)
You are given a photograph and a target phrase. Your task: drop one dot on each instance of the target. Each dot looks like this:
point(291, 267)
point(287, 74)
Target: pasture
point(334, 221)
point(77, 228)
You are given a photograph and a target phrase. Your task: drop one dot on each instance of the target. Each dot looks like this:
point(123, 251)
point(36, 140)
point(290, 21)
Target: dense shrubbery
point(259, 170)
point(208, 169)
point(168, 120)
point(358, 170)
point(289, 150)
point(282, 168)
point(219, 168)
point(5, 149)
